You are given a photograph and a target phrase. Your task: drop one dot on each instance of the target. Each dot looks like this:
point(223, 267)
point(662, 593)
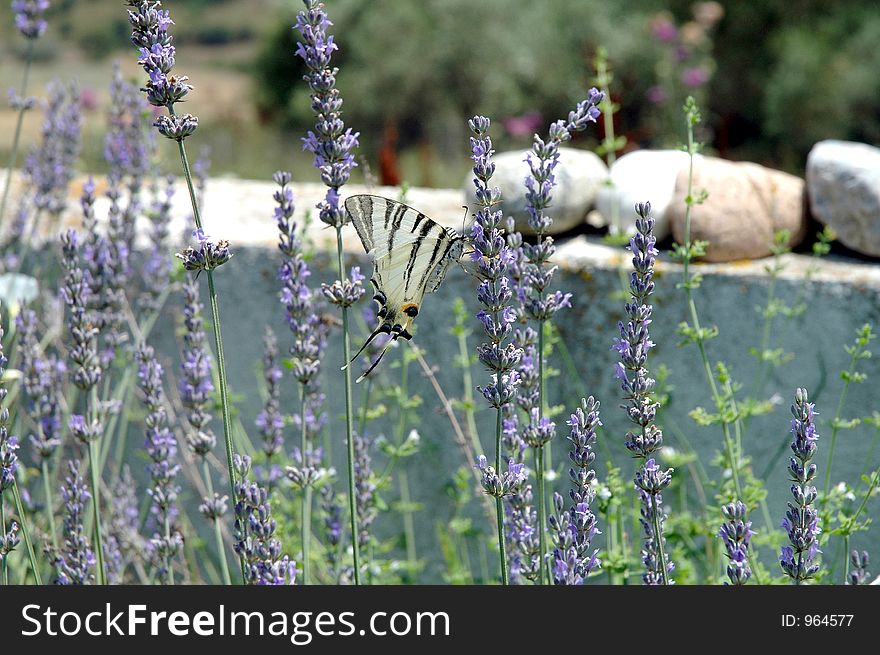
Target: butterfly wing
point(411, 255)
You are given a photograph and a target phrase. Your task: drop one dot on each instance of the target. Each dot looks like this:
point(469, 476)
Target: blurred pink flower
point(656, 94)
point(523, 126)
point(694, 77)
point(664, 29)
point(88, 99)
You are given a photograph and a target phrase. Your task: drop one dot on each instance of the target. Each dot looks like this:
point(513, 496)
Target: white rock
point(579, 175)
point(640, 176)
point(843, 183)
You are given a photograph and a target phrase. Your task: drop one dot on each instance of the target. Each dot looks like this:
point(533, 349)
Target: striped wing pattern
point(411, 255)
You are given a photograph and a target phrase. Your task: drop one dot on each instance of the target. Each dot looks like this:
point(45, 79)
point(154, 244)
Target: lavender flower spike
point(802, 518)
point(8, 466)
point(29, 19)
point(8, 443)
point(254, 532)
point(632, 347)
point(75, 563)
point(331, 142)
point(161, 447)
point(736, 533)
point(573, 559)
point(493, 256)
point(195, 383)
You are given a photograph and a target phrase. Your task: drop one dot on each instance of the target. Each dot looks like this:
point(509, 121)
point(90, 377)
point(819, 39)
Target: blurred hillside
point(772, 76)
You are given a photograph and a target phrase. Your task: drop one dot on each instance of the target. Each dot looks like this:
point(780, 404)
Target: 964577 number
point(817, 620)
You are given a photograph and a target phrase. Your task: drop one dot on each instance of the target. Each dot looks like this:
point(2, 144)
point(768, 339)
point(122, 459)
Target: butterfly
point(411, 255)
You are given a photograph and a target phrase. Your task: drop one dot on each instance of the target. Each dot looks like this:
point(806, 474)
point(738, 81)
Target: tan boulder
point(746, 205)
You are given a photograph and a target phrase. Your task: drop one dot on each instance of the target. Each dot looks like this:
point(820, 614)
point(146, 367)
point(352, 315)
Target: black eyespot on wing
point(411, 310)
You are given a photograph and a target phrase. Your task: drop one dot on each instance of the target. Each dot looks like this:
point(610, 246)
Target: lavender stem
point(94, 464)
point(47, 492)
point(499, 505)
point(307, 490)
point(215, 320)
point(19, 507)
point(218, 536)
point(18, 123)
point(349, 426)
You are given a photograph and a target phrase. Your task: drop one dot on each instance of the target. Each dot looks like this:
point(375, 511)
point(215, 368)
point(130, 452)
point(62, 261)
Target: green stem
point(362, 425)
point(218, 339)
point(409, 529)
point(47, 492)
point(307, 490)
point(96, 512)
point(468, 392)
point(17, 136)
point(733, 456)
point(349, 427)
point(218, 537)
point(658, 539)
point(22, 521)
point(3, 534)
point(499, 506)
point(835, 424)
point(169, 572)
point(542, 517)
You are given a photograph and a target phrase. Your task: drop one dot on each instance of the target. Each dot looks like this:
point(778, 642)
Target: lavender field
point(647, 393)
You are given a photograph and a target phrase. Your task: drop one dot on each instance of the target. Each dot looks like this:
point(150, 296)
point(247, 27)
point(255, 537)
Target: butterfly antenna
point(464, 218)
point(378, 359)
point(369, 340)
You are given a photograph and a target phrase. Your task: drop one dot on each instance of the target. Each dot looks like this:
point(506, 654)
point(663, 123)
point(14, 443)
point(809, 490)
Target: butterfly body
point(411, 255)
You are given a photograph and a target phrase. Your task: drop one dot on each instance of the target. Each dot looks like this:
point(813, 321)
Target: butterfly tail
point(378, 359)
point(384, 328)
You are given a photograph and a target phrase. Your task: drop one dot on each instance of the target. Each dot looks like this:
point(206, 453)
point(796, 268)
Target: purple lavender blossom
point(29, 19)
point(86, 369)
point(308, 331)
point(736, 533)
point(505, 483)
point(270, 422)
point(332, 525)
point(150, 35)
point(123, 544)
point(75, 564)
point(195, 385)
point(575, 526)
point(157, 266)
point(492, 255)
point(331, 142)
point(309, 336)
point(539, 304)
point(345, 293)
point(207, 256)
point(802, 518)
point(859, 573)
point(9, 539)
point(49, 167)
point(522, 534)
point(8, 443)
point(365, 487)
point(254, 532)
point(632, 347)
point(128, 146)
point(161, 448)
point(42, 382)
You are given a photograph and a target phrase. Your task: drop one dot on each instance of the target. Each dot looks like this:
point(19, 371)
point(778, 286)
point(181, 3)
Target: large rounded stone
point(579, 174)
point(843, 183)
point(636, 177)
point(746, 205)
